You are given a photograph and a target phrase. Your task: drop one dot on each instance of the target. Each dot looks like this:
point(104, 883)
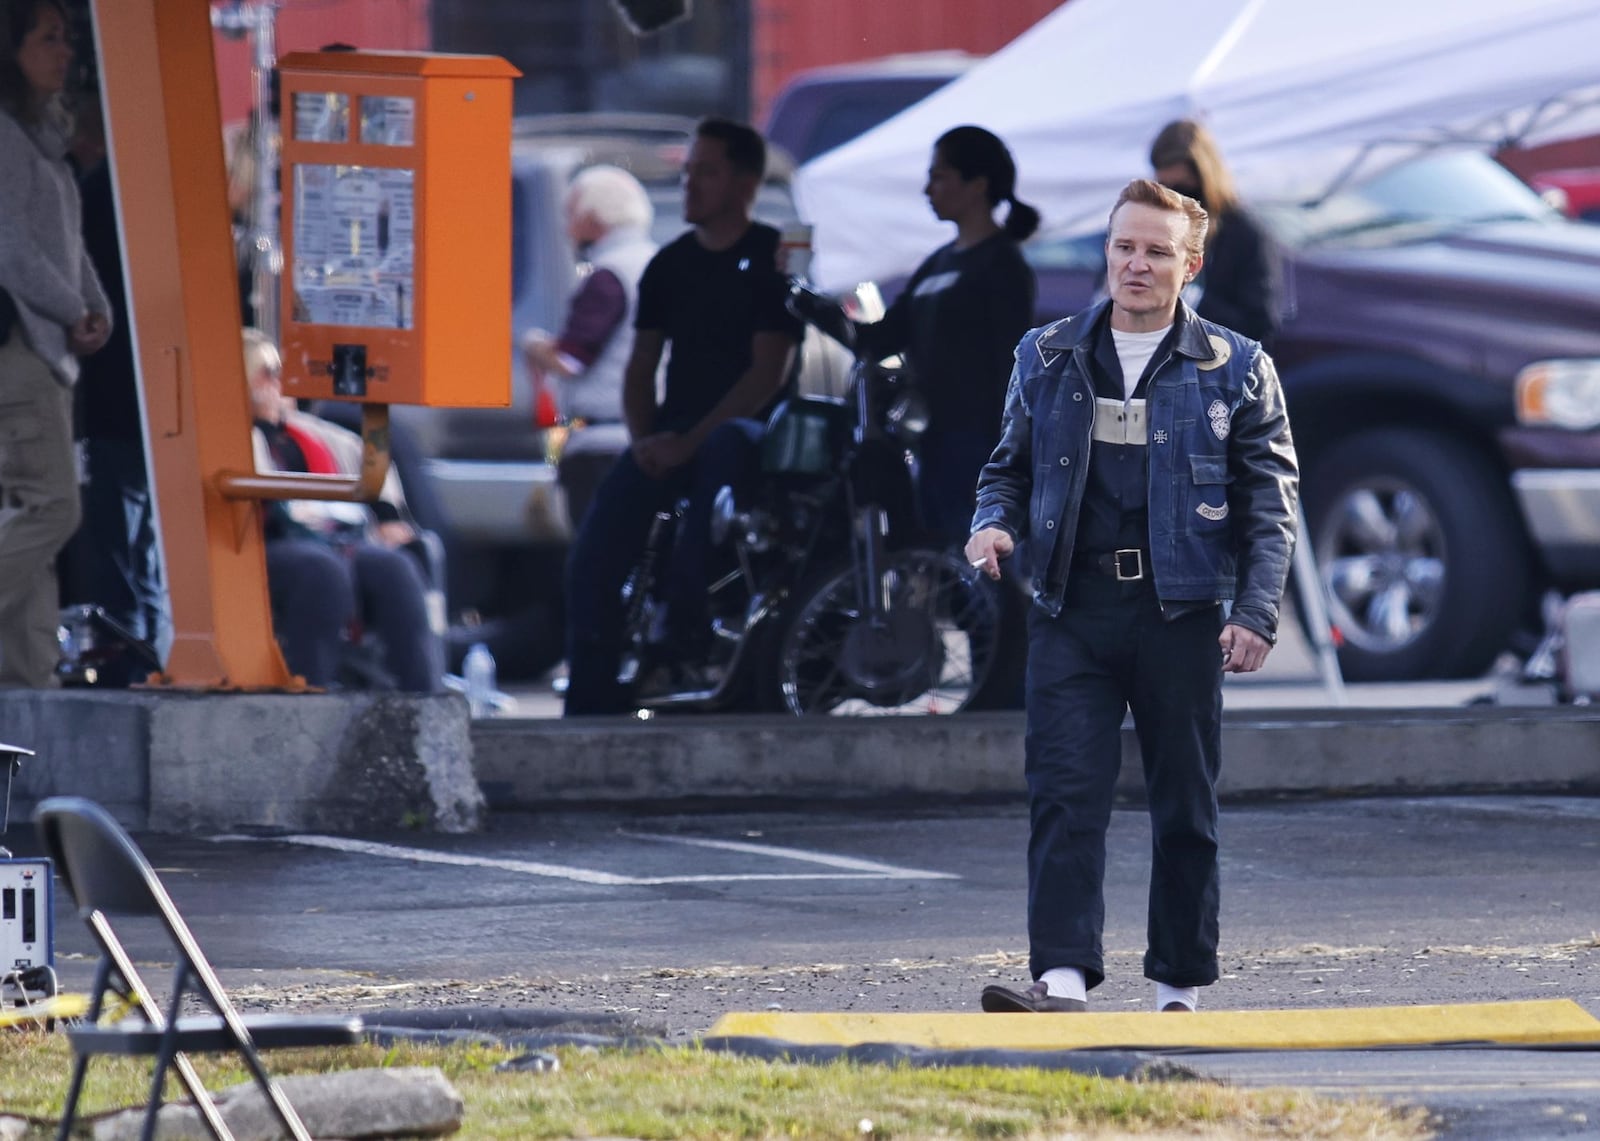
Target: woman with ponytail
point(960, 317)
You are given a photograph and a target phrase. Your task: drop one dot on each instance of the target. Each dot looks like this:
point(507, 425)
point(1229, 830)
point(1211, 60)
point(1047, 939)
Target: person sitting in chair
point(330, 563)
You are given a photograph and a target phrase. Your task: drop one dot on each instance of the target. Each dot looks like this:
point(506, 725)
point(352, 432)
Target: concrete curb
point(186, 762)
point(182, 762)
point(534, 764)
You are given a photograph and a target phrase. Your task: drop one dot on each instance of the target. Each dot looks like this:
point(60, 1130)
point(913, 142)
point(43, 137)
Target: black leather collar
point(1069, 332)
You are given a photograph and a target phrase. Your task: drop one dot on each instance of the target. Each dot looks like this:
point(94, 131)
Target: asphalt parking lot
point(676, 918)
point(1467, 899)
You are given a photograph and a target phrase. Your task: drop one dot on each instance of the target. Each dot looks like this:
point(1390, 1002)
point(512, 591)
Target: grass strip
point(687, 1093)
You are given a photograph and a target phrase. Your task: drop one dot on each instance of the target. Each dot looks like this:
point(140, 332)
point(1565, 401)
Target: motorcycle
point(827, 596)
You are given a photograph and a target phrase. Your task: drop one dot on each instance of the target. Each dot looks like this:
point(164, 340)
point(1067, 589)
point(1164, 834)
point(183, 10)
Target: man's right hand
point(987, 547)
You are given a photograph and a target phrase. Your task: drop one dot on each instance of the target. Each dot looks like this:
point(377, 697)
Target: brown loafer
point(1035, 1000)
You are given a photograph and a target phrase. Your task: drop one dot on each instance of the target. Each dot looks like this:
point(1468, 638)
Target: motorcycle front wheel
point(927, 648)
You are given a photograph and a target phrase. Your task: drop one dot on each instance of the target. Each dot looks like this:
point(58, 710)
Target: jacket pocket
point(1208, 497)
point(22, 447)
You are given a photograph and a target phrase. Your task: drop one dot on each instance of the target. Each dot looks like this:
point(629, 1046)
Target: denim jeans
point(611, 540)
point(1108, 651)
point(313, 602)
point(317, 592)
point(114, 559)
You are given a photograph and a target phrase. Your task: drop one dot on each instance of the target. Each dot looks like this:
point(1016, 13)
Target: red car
point(1574, 191)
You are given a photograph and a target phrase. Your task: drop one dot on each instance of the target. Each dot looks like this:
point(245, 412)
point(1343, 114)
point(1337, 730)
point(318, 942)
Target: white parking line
point(884, 871)
point(861, 869)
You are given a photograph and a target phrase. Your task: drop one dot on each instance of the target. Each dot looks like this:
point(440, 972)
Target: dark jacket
point(1222, 472)
point(1240, 285)
point(957, 321)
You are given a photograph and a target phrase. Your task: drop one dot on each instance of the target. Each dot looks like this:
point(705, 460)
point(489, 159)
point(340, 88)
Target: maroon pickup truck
point(1440, 351)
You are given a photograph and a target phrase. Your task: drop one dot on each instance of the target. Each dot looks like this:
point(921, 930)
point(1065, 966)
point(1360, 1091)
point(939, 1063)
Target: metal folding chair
point(109, 879)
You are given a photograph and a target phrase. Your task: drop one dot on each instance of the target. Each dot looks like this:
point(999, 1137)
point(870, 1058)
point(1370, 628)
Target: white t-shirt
point(1134, 351)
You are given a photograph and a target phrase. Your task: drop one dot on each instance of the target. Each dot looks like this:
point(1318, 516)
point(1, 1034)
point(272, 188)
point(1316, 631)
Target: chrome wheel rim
point(1381, 551)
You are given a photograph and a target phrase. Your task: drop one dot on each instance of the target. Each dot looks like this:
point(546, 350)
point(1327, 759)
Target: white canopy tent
point(1301, 94)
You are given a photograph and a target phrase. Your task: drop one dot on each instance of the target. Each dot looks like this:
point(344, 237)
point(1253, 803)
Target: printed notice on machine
point(354, 242)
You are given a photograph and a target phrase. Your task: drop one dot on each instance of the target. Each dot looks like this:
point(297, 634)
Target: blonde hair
point(259, 352)
point(1144, 192)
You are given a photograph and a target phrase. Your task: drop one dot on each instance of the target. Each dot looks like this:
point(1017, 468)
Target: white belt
point(1120, 422)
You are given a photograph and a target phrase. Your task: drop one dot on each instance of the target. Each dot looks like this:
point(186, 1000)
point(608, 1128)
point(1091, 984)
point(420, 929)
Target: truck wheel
point(1422, 553)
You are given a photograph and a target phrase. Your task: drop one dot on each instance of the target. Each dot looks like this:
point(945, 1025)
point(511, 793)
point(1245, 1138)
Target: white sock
point(1065, 982)
point(1187, 995)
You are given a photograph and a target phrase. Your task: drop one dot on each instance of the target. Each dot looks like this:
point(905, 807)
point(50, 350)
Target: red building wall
point(792, 35)
point(395, 25)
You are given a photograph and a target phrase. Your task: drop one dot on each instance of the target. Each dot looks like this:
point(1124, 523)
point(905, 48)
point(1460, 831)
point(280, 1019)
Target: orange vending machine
point(396, 181)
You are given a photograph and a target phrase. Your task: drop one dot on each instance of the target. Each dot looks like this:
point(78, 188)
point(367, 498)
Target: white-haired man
point(608, 220)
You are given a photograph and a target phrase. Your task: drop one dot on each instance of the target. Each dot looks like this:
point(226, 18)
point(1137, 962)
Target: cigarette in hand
point(979, 562)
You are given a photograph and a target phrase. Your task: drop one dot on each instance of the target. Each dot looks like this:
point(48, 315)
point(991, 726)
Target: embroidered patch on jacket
point(1159, 435)
point(1218, 415)
point(1223, 354)
point(1206, 511)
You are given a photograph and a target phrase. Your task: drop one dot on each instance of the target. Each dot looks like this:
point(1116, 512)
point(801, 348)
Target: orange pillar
point(165, 123)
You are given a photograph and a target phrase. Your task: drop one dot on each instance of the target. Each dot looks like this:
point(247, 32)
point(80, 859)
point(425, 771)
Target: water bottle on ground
point(477, 670)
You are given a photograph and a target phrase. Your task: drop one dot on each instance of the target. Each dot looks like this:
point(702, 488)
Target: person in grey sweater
point(62, 314)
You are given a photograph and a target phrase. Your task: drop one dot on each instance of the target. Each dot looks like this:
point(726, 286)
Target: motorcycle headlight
point(723, 514)
point(908, 416)
point(1560, 394)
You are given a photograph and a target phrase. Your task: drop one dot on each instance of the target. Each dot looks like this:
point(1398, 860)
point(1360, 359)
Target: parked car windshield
point(1416, 200)
point(774, 205)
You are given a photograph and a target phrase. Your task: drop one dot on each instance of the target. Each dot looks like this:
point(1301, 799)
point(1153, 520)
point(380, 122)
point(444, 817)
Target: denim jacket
point(1222, 474)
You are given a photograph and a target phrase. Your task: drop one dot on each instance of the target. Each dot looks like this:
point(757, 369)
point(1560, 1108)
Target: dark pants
point(317, 591)
point(580, 477)
point(1110, 650)
point(313, 602)
point(114, 560)
point(612, 538)
point(393, 602)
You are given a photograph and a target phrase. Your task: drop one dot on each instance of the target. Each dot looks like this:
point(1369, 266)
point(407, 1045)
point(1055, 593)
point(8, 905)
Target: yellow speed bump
point(1508, 1023)
point(57, 1006)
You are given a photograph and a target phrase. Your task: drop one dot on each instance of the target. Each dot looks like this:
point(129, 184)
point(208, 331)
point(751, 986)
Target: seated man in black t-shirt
point(716, 296)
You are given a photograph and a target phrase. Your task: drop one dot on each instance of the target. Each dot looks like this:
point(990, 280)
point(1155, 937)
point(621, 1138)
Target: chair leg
point(69, 1111)
point(203, 1103)
point(152, 1111)
point(287, 1115)
point(209, 1113)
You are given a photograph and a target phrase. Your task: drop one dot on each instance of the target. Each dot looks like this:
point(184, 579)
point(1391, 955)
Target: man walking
point(1145, 455)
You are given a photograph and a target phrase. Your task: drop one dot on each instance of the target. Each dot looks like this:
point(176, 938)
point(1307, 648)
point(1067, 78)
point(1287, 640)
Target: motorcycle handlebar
point(826, 314)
